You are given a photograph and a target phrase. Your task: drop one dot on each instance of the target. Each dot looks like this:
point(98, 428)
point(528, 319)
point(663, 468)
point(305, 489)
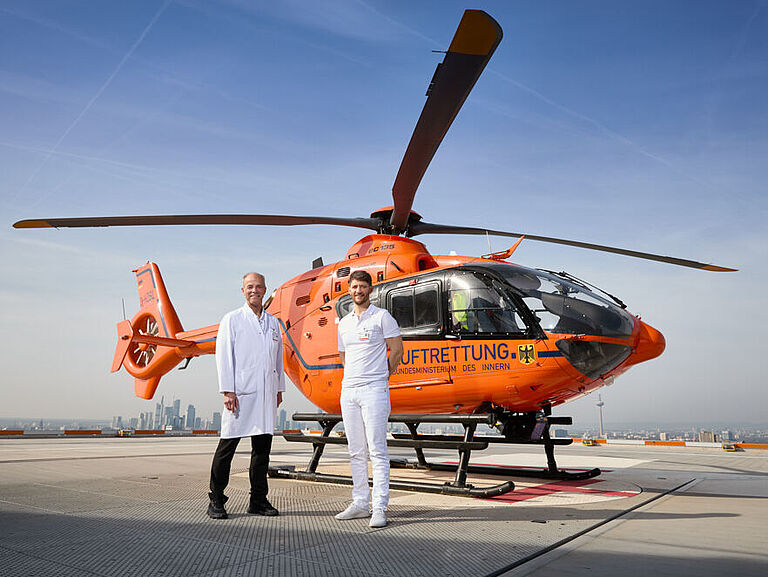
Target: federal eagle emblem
point(525, 354)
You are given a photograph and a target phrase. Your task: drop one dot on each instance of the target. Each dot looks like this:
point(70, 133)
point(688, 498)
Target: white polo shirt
point(362, 340)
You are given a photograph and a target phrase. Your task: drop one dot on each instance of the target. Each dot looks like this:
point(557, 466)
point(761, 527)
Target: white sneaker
point(378, 519)
point(353, 512)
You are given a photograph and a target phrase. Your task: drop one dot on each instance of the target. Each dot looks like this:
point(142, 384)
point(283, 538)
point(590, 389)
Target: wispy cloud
point(354, 19)
point(600, 127)
point(738, 48)
point(96, 96)
point(55, 26)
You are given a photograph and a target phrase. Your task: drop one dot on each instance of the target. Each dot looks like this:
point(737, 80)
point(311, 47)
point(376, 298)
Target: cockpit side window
point(476, 307)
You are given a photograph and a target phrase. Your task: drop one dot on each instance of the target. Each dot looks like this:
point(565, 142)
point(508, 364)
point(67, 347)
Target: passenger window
point(416, 308)
point(477, 308)
point(401, 307)
point(344, 306)
point(425, 305)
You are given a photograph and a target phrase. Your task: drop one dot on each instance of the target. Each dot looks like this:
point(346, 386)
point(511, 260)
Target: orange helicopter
point(486, 340)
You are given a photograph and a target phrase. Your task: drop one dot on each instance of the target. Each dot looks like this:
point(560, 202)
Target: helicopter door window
point(425, 305)
point(416, 309)
point(476, 308)
point(401, 307)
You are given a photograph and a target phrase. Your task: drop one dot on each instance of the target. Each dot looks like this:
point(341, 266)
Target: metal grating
point(141, 516)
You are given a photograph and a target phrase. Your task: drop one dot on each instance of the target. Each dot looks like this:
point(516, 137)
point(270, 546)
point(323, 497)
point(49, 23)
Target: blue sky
point(635, 124)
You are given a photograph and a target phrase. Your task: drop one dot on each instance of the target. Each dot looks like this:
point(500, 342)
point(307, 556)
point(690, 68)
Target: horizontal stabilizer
point(124, 334)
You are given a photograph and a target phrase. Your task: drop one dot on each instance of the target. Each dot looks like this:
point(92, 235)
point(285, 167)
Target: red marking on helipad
point(559, 487)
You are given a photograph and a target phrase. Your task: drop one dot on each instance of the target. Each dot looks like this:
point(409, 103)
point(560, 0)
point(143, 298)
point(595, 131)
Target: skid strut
point(464, 445)
point(536, 433)
point(535, 430)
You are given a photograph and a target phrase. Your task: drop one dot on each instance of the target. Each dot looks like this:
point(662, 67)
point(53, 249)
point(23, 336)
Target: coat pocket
point(249, 380)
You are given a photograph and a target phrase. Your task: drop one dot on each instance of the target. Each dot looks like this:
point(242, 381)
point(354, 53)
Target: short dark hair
point(361, 275)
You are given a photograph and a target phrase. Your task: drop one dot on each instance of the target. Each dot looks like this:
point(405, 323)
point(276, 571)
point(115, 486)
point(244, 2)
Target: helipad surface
point(137, 507)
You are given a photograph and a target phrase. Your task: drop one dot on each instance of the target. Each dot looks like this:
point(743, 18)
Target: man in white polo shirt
point(365, 334)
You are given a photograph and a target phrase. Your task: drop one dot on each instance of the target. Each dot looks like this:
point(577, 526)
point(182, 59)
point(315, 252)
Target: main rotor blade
point(430, 228)
point(195, 219)
point(473, 44)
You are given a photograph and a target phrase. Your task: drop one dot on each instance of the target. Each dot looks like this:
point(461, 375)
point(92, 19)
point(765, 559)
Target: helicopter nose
point(650, 344)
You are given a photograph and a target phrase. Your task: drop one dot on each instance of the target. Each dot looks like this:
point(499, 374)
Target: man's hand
point(395, 346)
point(230, 402)
point(279, 398)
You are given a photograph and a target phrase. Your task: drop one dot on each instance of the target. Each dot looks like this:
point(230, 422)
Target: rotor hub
point(384, 216)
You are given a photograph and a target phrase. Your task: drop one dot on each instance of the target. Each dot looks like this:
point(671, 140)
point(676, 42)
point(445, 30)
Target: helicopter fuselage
point(478, 333)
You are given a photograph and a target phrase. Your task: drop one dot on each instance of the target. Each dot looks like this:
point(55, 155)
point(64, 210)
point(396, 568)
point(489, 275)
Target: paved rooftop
point(136, 506)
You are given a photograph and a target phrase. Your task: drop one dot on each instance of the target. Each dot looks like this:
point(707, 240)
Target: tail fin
point(154, 298)
point(149, 361)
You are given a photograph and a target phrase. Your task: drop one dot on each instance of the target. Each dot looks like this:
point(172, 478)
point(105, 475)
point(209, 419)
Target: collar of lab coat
point(261, 320)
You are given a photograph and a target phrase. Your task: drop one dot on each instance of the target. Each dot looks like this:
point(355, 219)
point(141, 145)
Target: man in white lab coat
point(249, 359)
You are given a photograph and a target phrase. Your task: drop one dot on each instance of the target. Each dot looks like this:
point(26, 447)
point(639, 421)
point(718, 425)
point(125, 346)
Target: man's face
point(360, 291)
point(254, 289)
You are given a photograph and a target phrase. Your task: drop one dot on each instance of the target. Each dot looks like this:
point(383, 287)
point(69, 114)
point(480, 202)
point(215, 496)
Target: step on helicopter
point(486, 341)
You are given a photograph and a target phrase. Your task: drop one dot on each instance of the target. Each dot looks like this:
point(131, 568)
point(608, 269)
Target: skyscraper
point(217, 421)
point(158, 422)
point(190, 417)
point(168, 416)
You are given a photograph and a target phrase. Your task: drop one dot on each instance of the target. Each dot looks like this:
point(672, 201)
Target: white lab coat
point(249, 360)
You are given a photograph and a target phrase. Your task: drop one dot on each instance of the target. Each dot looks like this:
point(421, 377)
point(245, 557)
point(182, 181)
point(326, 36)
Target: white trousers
point(365, 410)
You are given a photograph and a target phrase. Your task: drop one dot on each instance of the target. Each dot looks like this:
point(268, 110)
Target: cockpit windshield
point(562, 306)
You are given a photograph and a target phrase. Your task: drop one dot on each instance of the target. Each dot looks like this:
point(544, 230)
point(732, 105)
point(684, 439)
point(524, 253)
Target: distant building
point(191, 417)
point(727, 436)
point(662, 436)
point(217, 421)
point(706, 437)
point(158, 421)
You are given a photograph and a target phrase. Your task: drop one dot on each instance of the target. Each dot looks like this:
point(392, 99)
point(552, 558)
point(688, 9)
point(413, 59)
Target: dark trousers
point(257, 471)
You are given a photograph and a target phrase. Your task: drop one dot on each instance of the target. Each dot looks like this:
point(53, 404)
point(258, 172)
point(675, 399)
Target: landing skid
point(536, 425)
point(500, 471)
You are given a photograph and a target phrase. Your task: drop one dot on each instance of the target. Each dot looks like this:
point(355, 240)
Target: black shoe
point(263, 508)
point(216, 508)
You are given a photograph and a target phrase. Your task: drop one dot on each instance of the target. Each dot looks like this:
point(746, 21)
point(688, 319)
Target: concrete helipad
point(137, 507)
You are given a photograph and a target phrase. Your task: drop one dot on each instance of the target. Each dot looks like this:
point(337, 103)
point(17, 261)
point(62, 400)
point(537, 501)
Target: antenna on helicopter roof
point(123, 301)
point(488, 238)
